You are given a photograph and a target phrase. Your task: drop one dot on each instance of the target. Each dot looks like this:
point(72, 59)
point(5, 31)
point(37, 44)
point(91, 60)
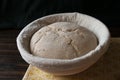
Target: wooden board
point(106, 68)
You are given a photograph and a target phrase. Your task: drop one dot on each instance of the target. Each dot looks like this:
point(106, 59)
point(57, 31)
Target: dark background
point(15, 14)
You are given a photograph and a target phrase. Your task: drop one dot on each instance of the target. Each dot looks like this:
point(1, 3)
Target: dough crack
point(75, 48)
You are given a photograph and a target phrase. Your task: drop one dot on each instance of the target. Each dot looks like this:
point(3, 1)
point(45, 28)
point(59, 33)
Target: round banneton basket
point(64, 66)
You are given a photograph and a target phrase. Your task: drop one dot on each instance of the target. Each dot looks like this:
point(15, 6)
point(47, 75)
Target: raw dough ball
point(62, 40)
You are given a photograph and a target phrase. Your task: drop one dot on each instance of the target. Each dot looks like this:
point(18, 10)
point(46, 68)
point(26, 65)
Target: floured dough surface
point(62, 40)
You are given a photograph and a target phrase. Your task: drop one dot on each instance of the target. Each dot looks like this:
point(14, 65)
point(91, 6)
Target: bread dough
point(62, 40)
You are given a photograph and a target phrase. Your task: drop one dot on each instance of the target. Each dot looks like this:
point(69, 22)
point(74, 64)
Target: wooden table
point(12, 66)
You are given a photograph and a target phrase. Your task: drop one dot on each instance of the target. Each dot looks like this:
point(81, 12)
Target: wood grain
point(12, 66)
